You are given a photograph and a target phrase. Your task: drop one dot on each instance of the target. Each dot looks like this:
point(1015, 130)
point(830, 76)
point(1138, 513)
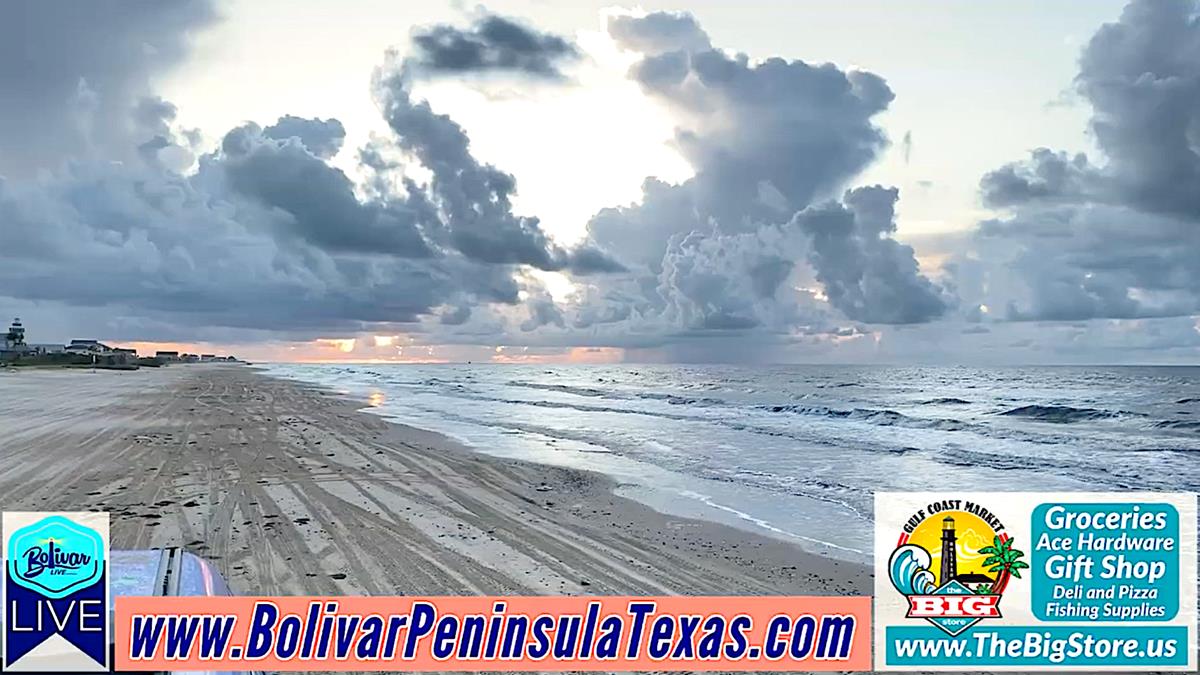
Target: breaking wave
point(1060, 414)
point(1185, 425)
point(885, 418)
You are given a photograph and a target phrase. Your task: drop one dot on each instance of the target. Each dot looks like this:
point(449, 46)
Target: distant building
point(46, 348)
point(14, 339)
point(207, 357)
point(125, 350)
point(88, 347)
point(166, 355)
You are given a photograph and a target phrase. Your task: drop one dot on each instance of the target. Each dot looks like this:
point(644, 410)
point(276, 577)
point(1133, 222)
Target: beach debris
point(543, 488)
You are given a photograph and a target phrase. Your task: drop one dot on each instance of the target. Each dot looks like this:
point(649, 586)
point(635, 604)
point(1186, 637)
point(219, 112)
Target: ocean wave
point(591, 392)
point(561, 388)
point(885, 418)
point(1124, 477)
point(1186, 425)
point(1060, 414)
point(1188, 400)
point(675, 399)
point(946, 400)
point(959, 456)
point(873, 417)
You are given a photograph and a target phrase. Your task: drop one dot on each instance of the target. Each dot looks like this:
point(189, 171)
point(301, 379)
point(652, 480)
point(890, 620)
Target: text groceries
point(494, 633)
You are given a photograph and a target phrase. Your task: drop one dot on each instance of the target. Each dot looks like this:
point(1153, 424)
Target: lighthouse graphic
point(949, 569)
point(948, 586)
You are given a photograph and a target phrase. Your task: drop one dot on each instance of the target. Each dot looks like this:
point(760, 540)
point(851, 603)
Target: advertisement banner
point(519, 633)
point(971, 581)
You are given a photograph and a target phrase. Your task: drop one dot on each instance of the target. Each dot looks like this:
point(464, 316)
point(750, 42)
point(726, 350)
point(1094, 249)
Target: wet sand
point(291, 491)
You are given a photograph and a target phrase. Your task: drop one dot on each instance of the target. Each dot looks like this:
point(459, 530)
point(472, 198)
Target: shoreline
point(662, 488)
point(277, 481)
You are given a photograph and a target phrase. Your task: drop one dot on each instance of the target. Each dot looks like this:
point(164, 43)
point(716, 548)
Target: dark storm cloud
point(1047, 177)
point(639, 233)
point(196, 251)
point(152, 118)
point(585, 261)
point(71, 73)
point(705, 283)
point(154, 115)
point(542, 312)
point(263, 233)
point(475, 198)
point(1081, 261)
point(1142, 77)
point(766, 140)
point(322, 138)
point(456, 316)
point(315, 200)
point(866, 274)
point(492, 44)
point(1112, 239)
point(767, 275)
point(473, 201)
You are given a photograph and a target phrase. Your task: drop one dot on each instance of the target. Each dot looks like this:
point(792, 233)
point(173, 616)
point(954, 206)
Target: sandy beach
point(291, 490)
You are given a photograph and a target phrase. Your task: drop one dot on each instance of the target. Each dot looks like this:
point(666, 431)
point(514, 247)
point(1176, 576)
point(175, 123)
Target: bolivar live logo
point(56, 592)
point(974, 559)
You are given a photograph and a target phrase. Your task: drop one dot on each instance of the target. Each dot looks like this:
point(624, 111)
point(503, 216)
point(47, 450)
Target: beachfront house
point(103, 355)
point(47, 348)
point(169, 356)
point(88, 347)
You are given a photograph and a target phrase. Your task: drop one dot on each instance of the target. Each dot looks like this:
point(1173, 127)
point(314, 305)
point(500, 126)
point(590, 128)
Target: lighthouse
point(949, 552)
point(14, 339)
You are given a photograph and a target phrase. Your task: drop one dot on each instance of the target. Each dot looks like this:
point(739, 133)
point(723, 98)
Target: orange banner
point(614, 633)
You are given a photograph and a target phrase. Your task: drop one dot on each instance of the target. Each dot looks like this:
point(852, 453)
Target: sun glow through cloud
point(345, 345)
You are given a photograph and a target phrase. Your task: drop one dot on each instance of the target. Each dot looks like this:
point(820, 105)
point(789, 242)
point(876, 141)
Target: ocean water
point(797, 451)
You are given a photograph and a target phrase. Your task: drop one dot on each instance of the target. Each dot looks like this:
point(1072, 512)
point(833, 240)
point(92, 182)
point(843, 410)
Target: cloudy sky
point(945, 181)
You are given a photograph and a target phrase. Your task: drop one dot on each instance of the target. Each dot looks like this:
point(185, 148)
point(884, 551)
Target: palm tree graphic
point(1003, 558)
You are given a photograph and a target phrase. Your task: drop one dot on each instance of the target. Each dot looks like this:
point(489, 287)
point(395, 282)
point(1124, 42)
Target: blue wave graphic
point(908, 569)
